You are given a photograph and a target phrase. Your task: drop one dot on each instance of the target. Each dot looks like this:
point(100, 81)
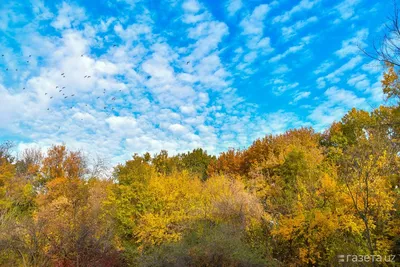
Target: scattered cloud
point(336, 104)
point(302, 6)
point(233, 6)
point(68, 16)
point(334, 77)
point(179, 76)
point(278, 90)
point(281, 69)
point(323, 67)
point(290, 50)
point(290, 31)
point(301, 95)
point(191, 6)
point(352, 46)
point(359, 81)
point(346, 10)
point(256, 42)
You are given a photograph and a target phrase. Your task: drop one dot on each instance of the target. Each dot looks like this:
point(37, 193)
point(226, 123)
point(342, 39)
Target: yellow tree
point(173, 203)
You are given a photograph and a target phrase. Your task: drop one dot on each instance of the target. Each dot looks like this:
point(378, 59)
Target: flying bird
point(187, 63)
point(56, 86)
point(63, 87)
point(66, 97)
point(48, 109)
point(16, 69)
point(60, 91)
point(51, 97)
point(27, 61)
point(81, 55)
point(98, 97)
point(45, 94)
point(62, 74)
point(30, 55)
point(72, 95)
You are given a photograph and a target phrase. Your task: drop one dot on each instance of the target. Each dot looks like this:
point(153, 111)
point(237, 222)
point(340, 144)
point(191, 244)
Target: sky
point(181, 74)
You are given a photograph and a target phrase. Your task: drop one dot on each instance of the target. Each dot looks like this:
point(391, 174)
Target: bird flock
point(63, 90)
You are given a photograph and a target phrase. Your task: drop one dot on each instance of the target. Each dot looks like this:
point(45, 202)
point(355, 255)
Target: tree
point(165, 164)
point(367, 159)
point(23, 241)
point(60, 162)
point(387, 49)
point(28, 165)
point(230, 162)
point(197, 162)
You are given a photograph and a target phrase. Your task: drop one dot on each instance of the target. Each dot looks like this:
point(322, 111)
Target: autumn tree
point(197, 162)
point(61, 163)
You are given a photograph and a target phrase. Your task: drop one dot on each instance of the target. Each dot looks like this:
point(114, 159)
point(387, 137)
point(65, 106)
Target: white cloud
point(321, 83)
point(302, 6)
point(290, 50)
point(192, 6)
point(253, 33)
point(375, 91)
point(359, 81)
point(122, 124)
point(336, 104)
point(278, 90)
point(178, 129)
point(334, 77)
point(323, 67)
point(344, 97)
point(253, 24)
point(352, 46)
point(233, 6)
point(346, 9)
point(278, 122)
point(68, 16)
point(301, 95)
point(372, 67)
point(291, 31)
point(207, 38)
point(40, 10)
point(281, 69)
point(293, 49)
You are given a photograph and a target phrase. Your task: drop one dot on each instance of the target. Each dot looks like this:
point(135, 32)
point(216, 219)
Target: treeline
point(296, 199)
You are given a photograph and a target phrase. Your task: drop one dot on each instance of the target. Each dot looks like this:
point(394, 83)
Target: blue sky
point(181, 74)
